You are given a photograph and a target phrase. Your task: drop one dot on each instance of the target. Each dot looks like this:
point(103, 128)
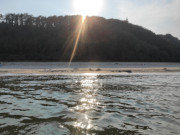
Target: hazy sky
point(160, 16)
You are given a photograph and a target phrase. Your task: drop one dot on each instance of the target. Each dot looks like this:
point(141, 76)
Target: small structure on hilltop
point(126, 20)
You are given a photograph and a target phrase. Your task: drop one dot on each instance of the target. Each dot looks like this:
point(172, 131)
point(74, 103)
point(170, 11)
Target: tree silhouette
point(24, 37)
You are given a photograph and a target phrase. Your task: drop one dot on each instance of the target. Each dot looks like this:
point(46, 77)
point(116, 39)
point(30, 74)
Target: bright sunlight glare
point(88, 7)
point(85, 8)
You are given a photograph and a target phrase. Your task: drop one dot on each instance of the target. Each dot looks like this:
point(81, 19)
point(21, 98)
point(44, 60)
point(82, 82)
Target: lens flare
point(76, 43)
point(85, 8)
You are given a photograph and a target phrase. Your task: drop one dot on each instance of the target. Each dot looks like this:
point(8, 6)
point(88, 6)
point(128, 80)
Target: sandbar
point(59, 71)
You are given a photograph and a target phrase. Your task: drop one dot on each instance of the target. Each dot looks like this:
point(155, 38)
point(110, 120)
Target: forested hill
point(27, 38)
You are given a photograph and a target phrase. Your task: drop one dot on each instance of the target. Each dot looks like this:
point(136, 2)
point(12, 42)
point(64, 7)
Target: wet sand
point(4, 71)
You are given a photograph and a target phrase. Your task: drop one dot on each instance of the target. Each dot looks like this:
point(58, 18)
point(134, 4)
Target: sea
point(89, 103)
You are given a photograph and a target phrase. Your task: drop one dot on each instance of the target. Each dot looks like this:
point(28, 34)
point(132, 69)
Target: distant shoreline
point(58, 68)
point(86, 70)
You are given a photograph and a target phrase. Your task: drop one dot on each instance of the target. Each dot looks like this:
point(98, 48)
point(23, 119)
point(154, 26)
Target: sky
point(159, 16)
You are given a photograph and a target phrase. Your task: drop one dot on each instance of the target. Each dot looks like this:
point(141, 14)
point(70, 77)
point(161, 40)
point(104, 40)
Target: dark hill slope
point(27, 38)
point(171, 39)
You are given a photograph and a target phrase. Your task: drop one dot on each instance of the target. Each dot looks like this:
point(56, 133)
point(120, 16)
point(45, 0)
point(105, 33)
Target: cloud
point(160, 16)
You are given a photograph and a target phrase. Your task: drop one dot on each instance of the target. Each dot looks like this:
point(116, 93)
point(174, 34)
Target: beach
point(85, 70)
point(58, 68)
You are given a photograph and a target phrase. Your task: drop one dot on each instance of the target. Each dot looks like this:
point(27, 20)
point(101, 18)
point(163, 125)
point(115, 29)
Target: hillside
point(27, 38)
point(171, 39)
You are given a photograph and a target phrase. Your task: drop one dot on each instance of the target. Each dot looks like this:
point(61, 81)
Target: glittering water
point(90, 104)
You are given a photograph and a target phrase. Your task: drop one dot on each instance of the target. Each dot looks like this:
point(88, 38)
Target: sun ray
point(83, 18)
point(77, 40)
point(85, 8)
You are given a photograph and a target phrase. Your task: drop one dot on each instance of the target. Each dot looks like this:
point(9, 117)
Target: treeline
point(24, 37)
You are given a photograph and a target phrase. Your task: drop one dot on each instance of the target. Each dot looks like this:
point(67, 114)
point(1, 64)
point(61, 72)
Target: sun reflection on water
point(87, 102)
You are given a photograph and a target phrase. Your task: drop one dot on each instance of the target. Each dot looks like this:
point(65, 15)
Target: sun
point(88, 7)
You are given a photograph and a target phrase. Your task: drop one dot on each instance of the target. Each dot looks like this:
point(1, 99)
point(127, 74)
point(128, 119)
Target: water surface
point(90, 104)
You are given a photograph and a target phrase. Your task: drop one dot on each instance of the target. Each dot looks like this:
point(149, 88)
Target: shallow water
point(97, 104)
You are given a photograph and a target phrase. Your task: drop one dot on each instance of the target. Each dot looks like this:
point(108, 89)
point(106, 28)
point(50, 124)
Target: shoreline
point(59, 71)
